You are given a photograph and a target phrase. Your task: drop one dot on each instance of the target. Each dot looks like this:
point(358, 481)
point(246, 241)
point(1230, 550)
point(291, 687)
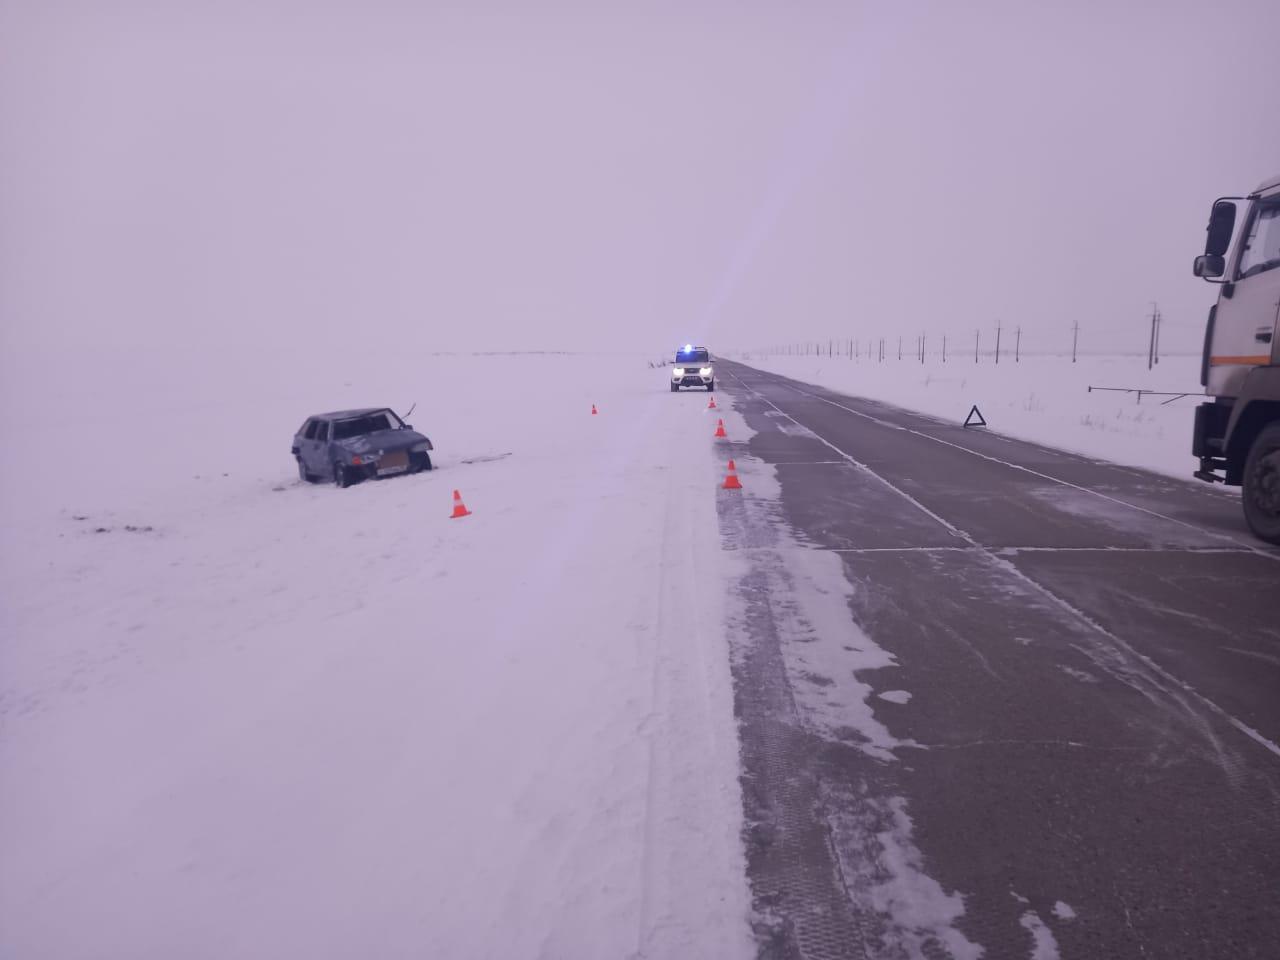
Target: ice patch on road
point(825, 653)
point(1043, 944)
point(794, 430)
point(820, 639)
point(884, 873)
point(920, 908)
point(1082, 675)
point(1063, 911)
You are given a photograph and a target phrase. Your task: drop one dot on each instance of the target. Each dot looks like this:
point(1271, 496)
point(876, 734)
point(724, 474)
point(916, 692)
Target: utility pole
point(830, 345)
point(976, 335)
point(922, 348)
point(1017, 347)
point(1151, 347)
point(944, 348)
point(997, 341)
point(1159, 324)
point(1075, 339)
point(882, 349)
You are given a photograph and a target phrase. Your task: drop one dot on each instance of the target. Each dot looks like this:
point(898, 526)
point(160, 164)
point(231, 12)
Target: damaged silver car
point(353, 445)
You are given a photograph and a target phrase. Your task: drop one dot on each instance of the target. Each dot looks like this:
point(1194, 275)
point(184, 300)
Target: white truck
point(1237, 433)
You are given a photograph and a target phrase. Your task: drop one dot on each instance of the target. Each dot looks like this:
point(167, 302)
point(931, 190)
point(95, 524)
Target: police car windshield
point(693, 356)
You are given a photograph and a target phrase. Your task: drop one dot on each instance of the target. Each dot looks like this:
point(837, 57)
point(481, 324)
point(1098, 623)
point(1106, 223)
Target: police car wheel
point(675, 388)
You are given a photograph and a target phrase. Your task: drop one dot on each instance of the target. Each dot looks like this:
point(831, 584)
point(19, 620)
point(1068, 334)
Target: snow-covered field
point(1043, 398)
point(245, 717)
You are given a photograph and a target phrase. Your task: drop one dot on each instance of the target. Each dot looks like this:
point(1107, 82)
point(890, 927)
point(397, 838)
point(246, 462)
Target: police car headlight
point(678, 372)
point(705, 371)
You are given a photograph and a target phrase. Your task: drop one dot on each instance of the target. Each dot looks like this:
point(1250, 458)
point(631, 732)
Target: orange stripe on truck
point(1260, 360)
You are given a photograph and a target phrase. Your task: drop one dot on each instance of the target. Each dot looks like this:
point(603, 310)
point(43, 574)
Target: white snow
point(282, 720)
point(1063, 911)
point(1044, 398)
point(896, 696)
point(1044, 946)
point(921, 911)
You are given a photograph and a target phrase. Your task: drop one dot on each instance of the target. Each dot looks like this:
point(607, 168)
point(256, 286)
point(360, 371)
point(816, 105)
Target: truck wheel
point(421, 462)
point(341, 476)
point(1261, 494)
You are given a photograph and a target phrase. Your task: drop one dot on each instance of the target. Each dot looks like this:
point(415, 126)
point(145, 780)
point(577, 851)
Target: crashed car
point(693, 369)
point(353, 445)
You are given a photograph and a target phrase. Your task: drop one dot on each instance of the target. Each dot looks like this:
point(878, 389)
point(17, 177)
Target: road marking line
point(1240, 550)
point(1270, 554)
point(1066, 605)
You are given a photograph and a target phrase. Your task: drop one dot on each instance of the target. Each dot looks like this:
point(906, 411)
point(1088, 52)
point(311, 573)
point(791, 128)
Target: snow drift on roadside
point(246, 717)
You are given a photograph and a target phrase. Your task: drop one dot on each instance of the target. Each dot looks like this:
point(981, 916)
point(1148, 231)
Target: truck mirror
point(1209, 266)
point(1222, 222)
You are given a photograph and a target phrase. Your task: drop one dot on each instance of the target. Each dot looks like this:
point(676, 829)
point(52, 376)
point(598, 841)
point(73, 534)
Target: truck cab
point(1237, 434)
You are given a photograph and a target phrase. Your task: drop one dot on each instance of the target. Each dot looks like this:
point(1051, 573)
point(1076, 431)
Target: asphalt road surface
point(1093, 654)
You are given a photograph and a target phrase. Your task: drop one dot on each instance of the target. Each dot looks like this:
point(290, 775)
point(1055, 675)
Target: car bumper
point(388, 466)
point(694, 381)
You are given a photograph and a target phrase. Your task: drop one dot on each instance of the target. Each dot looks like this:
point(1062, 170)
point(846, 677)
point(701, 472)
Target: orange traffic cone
point(459, 508)
point(711, 404)
point(593, 410)
point(720, 429)
point(731, 481)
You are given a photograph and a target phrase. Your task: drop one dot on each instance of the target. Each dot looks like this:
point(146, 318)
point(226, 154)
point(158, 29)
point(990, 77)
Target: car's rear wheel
point(342, 476)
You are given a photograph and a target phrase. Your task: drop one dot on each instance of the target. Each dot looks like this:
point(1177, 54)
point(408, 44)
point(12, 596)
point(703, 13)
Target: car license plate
point(397, 462)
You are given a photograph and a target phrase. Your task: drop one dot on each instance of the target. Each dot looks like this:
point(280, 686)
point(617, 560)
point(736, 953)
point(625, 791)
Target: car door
point(321, 464)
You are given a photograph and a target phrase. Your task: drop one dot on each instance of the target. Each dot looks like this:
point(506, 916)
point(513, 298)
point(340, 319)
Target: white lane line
point(1008, 550)
point(903, 549)
point(1269, 554)
point(1065, 605)
point(811, 463)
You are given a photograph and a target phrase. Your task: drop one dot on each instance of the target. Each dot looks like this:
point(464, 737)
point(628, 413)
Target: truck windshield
point(1262, 246)
point(693, 356)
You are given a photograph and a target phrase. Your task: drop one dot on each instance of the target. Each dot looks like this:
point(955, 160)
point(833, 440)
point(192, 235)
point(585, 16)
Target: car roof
point(349, 414)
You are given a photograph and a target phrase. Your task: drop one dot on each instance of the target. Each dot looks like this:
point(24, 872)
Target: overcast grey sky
point(294, 178)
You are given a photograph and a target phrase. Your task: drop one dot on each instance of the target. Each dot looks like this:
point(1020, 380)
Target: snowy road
point(1063, 735)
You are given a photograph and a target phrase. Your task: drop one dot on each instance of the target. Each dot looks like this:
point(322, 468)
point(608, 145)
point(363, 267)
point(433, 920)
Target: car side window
point(322, 430)
point(310, 432)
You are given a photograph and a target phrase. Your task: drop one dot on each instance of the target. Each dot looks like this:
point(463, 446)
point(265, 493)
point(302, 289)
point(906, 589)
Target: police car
point(692, 368)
